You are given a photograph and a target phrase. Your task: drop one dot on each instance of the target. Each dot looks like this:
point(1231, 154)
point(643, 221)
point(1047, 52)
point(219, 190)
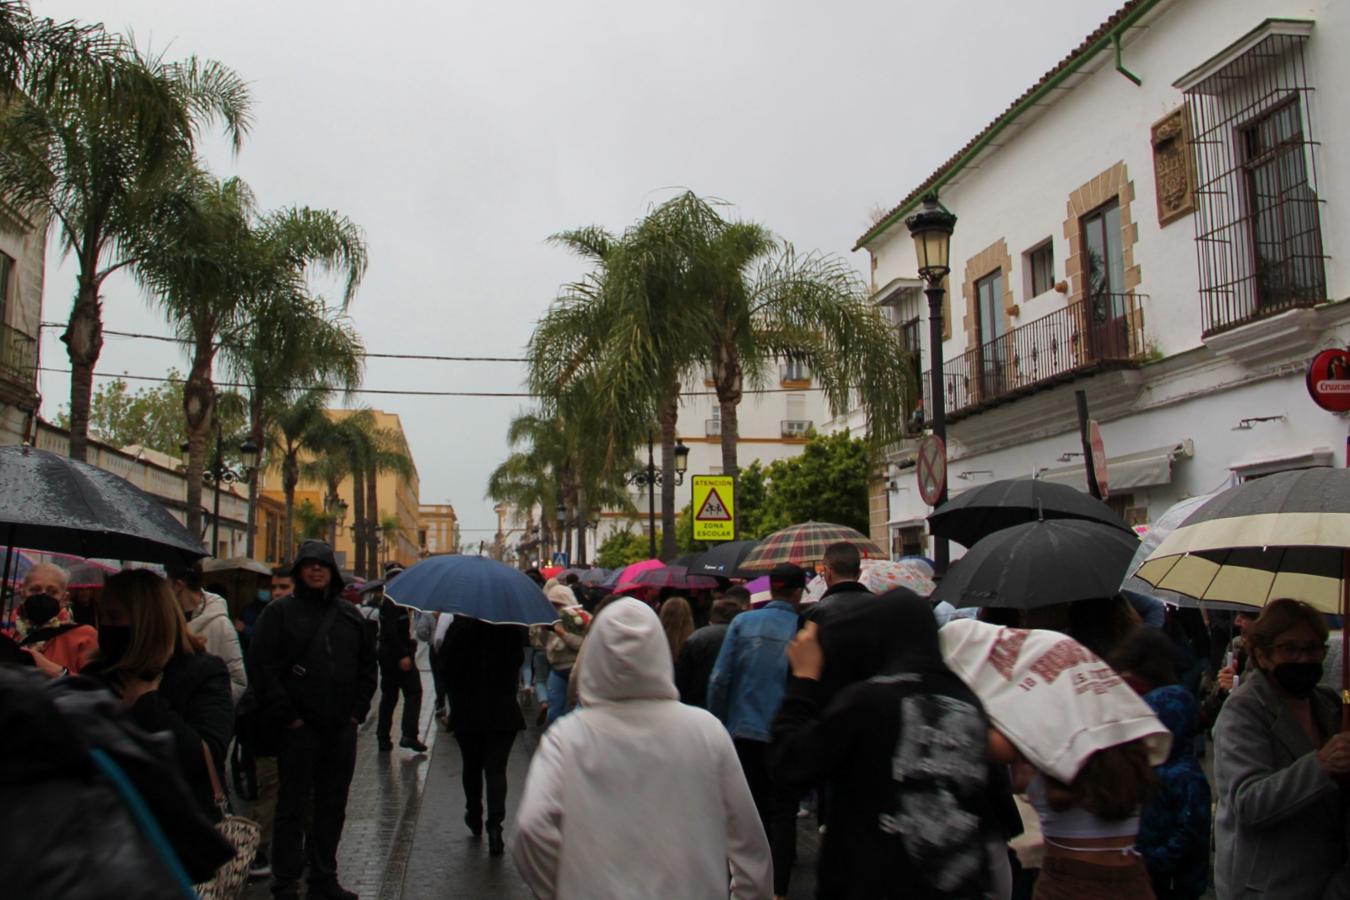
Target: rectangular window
point(910, 340)
point(1281, 212)
point(795, 370)
point(1105, 254)
point(994, 352)
point(6, 276)
point(1040, 264)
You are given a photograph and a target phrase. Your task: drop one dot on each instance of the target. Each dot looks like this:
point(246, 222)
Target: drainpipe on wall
point(1120, 65)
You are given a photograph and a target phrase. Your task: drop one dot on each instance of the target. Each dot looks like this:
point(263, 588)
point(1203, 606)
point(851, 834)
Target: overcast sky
point(461, 135)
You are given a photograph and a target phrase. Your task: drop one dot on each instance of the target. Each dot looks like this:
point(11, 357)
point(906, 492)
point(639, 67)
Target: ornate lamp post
point(218, 473)
point(650, 477)
point(932, 229)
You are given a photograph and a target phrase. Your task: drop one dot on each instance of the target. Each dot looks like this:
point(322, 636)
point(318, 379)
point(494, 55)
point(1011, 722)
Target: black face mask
point(1297, 678)
point(113, 642)
point(39, 609)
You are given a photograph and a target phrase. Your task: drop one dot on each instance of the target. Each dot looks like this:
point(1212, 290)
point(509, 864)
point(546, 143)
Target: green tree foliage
point(752, 492)
point(311, 523)
point(152, 417)
point(622, 548)
point(826, 483)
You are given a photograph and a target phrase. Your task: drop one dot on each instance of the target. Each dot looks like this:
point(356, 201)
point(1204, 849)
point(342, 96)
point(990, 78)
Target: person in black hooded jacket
point(312, 663)
point(901, 747)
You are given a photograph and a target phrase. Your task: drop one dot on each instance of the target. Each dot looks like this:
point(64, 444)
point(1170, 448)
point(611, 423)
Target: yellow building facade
point(439, 529)
point(396, 496)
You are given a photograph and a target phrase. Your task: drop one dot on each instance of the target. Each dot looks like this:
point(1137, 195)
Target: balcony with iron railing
point(18, 356)
point(1102, 332)
point(796, 428)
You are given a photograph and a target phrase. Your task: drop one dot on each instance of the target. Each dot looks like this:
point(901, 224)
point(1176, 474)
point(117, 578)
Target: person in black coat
point(901, 747)
point(480, 663)
point(164, 675)
point(843, 568)
point(398, 673)
point(312, 663)
point(699, 654)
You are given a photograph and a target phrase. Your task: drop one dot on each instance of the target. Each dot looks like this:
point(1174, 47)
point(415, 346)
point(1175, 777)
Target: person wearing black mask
point(1279, 762)
point(312, 664)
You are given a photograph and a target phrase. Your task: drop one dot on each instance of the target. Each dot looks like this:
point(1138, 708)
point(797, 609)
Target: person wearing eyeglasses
point(1280, 759)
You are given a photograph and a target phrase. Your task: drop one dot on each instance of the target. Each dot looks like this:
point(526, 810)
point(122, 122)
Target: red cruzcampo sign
point(1329, 380)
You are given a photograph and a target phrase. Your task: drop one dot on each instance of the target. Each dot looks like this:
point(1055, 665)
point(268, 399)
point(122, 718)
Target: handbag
point(243, 834)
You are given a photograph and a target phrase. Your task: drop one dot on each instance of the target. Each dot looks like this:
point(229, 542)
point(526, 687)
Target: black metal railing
point(796, 428)
point(712, 427)
point(1104, 330)
point(18, 355)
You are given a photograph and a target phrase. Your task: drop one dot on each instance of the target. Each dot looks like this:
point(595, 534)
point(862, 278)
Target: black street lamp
point(561, 510)
point(218, 473)
point(932, 232)
point(650, 477)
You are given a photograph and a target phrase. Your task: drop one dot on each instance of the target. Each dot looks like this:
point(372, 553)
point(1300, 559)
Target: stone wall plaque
point(1173, 167)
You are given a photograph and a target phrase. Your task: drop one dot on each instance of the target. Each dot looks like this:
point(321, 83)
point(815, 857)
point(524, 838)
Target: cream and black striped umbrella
point(1285, 535)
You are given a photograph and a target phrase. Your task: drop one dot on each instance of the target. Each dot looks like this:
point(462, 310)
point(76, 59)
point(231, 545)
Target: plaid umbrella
point(805, 545)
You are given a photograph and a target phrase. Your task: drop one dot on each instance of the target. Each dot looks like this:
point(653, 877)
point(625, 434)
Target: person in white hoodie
point(635, 793)
point(208, 617)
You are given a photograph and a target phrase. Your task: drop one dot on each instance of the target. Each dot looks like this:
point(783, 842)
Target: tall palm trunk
point(331, 502)
point(373, 513)
point(365, 563)
point(290, 479)
point(83, 338)
point(199, 401)
point(668, 418)
point(729, 385)
point(257, 433)
point(583, 515)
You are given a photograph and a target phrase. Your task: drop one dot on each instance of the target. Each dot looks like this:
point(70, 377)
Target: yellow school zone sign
point(714, 508)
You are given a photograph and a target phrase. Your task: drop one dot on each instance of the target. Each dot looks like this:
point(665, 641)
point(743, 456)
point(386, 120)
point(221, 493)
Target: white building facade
point(1154, 223)
point(773, 423)
point(23, 245)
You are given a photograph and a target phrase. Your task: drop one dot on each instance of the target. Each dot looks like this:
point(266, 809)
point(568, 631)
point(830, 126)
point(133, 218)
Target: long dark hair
point(1113, 784)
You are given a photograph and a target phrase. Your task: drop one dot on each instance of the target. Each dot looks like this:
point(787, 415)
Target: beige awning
point(1145, 468)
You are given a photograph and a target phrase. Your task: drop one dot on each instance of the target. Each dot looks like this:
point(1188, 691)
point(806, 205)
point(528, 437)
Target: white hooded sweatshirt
point(211, 622)
point(635, 794)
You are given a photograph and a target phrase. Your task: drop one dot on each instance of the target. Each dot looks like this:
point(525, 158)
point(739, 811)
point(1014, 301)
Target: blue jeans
point(557, 693)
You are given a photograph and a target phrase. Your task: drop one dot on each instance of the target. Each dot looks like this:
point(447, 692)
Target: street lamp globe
point(932, 229)
point(681, 457)
point(562, 514)
point(341, 511)
point(248, 453)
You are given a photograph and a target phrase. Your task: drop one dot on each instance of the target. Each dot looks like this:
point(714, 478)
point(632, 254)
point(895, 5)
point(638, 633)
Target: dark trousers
point(777, 806)
point(314, 768)
point(485, 754)
point(393, 681)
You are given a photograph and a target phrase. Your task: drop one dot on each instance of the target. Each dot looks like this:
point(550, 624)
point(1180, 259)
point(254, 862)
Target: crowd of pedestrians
point(1054, 753)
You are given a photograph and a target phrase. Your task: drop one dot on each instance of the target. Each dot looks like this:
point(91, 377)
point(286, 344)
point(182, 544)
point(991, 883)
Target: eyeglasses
point(1291, 649)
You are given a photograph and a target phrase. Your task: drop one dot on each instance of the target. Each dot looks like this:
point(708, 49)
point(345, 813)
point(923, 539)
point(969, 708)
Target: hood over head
point(1178, 709)
point(895, 632)
point(317, 551)
point(626, 656)
point(560, 595)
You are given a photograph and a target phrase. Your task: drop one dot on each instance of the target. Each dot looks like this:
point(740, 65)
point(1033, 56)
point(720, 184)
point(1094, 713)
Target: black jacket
point(695, 665)
point(193, 704)
point(396, 640)
point(339, 674)
point(902, 749)
point(480, 666)
point(836, 597)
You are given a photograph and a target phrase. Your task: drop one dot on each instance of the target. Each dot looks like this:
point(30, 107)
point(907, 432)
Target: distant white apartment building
point(1156, 222)
point(23, 245)
point(772, 424)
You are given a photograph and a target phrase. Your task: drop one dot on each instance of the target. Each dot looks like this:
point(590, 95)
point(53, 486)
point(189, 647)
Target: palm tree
point(94, 137)
point(388, 456)
point(391, 527)
point(295, 421)
point(286, 341)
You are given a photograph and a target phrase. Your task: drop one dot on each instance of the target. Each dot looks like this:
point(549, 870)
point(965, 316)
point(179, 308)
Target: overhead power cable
point(169, 339)
point(402, 392)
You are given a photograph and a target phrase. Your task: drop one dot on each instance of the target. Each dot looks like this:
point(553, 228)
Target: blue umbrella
point(472, 586)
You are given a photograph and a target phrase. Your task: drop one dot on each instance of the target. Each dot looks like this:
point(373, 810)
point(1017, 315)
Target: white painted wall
point(1020, 193)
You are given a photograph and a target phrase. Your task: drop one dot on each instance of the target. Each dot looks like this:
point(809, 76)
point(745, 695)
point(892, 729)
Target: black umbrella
point(983, 510)
point(722, 560)
point(1040, 564)
point(51, 502)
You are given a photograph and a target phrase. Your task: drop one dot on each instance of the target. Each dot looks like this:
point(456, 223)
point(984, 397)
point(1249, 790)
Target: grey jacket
point(1280, 829)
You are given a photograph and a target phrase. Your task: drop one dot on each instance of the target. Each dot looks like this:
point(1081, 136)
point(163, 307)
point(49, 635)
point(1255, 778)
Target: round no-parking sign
point(931, 469)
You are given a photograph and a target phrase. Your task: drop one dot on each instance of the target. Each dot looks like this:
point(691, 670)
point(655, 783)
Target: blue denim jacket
point(750, 676)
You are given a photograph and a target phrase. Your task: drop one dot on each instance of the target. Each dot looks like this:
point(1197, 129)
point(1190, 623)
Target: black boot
point(413, 744)
point(496, 846)
point(475, 825)
point(331, 891)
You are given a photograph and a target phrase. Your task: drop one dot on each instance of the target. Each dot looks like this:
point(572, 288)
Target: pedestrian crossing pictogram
point(713, 509)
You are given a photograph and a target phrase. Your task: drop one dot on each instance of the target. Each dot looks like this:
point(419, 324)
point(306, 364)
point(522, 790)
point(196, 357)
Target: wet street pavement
point(405, 837)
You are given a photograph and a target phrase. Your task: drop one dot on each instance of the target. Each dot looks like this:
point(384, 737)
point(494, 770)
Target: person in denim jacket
point(747, 686)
